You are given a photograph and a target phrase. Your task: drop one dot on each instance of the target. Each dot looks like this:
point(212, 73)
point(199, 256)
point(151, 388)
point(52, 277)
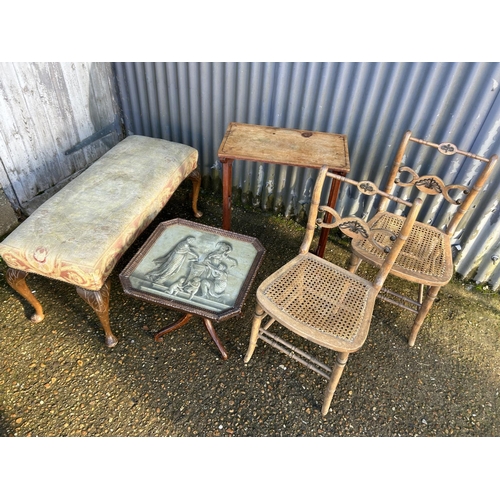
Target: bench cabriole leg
point(99, 301)
point(195, 178)
point(17, 280)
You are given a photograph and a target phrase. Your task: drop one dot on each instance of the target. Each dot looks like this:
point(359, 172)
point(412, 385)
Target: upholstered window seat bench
point(80, 233)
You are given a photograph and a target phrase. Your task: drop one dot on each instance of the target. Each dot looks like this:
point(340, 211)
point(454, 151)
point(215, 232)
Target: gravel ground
point(57, 378)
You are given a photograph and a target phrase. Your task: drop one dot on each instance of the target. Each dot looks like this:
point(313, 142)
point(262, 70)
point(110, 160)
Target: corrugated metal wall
point(372, 103)
point(45, 109)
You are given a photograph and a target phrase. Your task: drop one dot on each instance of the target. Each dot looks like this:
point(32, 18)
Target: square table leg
point(332, 201)
point(227, 179)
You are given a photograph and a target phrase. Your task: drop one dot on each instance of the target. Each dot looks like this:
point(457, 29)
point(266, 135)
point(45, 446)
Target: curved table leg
point(211, 330)
point(173, 326)
point(183, 320)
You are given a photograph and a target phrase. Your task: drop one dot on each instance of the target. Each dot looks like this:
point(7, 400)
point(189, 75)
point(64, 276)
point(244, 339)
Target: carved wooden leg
point(181, 322)
point(422, 313)
point(185, 319)
point(211, 330)
point(195, 178)
point(17, 280)
point(254, 334)
point(338, 368)
point(99, 301)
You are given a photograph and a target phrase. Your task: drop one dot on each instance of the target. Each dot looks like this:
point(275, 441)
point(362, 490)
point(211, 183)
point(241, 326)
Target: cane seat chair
point(426, 257)
point(319, 301)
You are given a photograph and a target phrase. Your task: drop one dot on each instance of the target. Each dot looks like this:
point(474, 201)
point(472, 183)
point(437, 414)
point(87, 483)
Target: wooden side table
point(282, 146)
point(195, 269)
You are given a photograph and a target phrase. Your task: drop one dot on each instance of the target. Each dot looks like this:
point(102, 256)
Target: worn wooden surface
point(46, 108)
point(283, 146)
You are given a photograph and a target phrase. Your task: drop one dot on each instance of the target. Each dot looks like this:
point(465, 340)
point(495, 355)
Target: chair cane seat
point(320, 302)
point(425, 257)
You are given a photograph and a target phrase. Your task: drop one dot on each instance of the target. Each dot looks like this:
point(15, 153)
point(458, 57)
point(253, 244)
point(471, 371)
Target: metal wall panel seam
point(163, 115)
point(152, 101)
point(123, 95)
point(135, 116)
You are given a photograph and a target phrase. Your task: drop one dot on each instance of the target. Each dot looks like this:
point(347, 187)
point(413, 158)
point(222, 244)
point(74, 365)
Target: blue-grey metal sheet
point(372, 103)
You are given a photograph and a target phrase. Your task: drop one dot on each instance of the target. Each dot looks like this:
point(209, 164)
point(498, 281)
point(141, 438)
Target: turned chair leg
point(338, 368)
point(354, 264)
point(17, 280)
point(422, 313)
point(195, 178)
point(421, 291)
point(254, 334)
point(99, 301)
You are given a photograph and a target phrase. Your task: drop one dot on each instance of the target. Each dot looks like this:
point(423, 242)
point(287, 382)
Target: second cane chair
point(426, 258)
point(321, 302)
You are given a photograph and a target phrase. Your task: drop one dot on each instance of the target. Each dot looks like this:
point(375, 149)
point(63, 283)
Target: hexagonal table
point(195, 269)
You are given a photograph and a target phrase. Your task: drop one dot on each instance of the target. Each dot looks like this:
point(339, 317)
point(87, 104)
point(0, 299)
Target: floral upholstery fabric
point(78, 235)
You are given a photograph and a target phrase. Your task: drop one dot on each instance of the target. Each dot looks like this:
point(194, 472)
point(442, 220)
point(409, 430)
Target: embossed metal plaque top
point(194, 268)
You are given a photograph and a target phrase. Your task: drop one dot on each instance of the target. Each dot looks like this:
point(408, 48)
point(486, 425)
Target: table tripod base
point(185, 319)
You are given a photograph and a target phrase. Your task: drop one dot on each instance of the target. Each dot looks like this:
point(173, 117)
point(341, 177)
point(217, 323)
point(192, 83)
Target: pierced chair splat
point(319, 301)
point(426, 258)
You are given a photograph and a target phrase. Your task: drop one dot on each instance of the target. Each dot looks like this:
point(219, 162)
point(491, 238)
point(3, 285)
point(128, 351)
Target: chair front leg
point(354, 263)
point(421, 291)
point(17, 280)
point(422, 313)
point(99, 301)
point(338, 368)
point(254, 334)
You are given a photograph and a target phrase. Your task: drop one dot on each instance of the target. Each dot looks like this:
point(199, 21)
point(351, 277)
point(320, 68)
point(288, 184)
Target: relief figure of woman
point(171, 263)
